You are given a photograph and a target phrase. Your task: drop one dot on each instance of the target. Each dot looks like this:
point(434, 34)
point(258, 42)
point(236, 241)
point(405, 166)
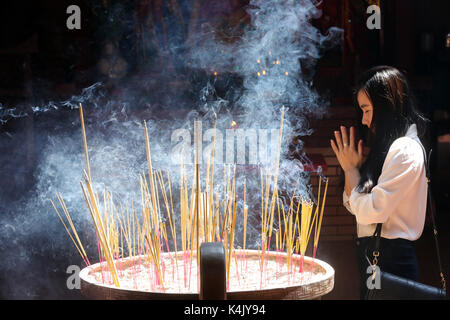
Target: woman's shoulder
point(407, 149)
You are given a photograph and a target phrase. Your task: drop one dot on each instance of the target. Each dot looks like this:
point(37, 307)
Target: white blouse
point(399, 200)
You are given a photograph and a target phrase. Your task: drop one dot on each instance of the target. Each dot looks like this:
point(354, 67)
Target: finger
point(360, 148)
point(334, 147)
point(337, 135)
point(344, 136)
point(352, 138)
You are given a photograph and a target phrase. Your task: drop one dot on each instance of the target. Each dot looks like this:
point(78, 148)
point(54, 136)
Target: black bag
point(393, 287)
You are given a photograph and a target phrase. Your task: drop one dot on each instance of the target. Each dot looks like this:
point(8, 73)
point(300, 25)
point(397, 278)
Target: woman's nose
point(364, 121)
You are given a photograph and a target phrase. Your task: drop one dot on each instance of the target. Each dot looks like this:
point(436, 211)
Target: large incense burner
point(245, 281)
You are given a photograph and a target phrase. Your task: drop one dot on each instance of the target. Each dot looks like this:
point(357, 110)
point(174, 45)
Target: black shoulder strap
point(432, 211)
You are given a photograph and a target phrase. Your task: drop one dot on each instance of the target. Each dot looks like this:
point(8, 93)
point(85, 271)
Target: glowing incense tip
point(215, 73)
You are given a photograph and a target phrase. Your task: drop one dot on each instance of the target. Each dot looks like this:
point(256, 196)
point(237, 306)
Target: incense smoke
point(273, 61)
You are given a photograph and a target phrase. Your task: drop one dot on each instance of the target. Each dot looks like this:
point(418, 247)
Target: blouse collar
point(412, 131)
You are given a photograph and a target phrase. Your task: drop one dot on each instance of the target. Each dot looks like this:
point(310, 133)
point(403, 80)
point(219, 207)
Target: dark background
point(41, 60)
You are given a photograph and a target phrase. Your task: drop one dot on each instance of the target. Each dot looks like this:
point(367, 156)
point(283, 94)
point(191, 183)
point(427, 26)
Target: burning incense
point(198, 188)
point(202, 217)
point(77, 243)
point(154, 250)
point(245, 218)
point(305, 229)
point(318, 228)
point(86, 154)
point(91, 201)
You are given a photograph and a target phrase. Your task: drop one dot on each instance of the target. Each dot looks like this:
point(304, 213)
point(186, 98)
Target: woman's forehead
point(363, 99)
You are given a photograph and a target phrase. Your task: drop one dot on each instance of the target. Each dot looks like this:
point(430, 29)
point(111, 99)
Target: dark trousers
point(397, 256)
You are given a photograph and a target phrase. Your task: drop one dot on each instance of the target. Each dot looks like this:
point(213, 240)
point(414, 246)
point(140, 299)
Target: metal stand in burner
point(212, 271)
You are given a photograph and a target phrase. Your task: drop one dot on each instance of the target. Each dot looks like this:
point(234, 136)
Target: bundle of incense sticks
point(204, 215)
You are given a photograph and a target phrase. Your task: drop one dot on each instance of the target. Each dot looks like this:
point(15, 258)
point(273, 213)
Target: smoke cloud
point(268, 67)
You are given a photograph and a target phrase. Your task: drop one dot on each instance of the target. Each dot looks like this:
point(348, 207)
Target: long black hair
point(394, 111)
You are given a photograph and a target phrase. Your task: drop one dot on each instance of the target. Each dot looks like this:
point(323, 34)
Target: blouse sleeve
point(401, 170)
point(346, 201)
